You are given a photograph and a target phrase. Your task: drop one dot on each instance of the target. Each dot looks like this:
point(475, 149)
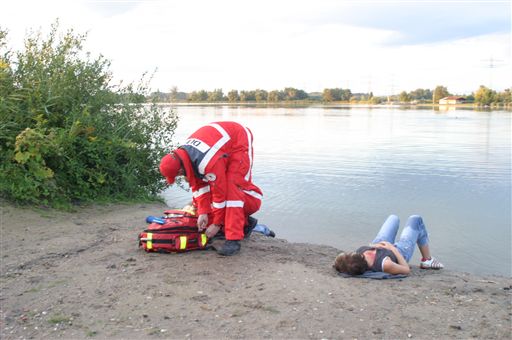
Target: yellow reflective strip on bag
point(183, 242)
point(149, 243)
point(204, 239)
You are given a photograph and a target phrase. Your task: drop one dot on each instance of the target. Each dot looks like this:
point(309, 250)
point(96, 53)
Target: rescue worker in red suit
point(217, 161)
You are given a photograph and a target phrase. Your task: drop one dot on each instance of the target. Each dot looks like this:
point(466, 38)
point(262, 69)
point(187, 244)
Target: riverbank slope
point(80, 275)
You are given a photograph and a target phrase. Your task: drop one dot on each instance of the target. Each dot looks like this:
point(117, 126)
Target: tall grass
point(67, 133)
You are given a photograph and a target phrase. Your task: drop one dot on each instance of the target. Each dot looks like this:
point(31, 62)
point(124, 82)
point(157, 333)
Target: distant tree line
point(483, 96)
point(337, 94)
point(486, 96)
point(258, 95)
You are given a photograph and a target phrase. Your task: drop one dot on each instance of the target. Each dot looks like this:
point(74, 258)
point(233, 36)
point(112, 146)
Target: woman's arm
point(402, 267)
point(395, 268)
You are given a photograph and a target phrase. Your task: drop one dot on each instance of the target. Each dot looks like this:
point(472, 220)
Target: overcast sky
point(382, 46)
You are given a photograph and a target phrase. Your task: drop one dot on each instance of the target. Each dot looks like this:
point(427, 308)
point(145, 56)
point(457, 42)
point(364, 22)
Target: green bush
point(67, 134)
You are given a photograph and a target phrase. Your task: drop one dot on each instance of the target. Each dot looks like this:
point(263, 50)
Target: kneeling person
point(216, 160)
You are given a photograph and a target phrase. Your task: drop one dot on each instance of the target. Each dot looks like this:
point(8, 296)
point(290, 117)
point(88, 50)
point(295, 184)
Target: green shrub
point(67, 134)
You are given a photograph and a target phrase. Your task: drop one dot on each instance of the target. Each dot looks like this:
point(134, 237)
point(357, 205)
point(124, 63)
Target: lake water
point(331, 175)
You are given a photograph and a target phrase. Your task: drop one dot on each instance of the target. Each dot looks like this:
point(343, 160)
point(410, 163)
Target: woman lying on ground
point(383, 255)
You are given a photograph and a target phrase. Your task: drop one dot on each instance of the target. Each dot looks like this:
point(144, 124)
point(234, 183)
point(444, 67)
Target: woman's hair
point(352, 263)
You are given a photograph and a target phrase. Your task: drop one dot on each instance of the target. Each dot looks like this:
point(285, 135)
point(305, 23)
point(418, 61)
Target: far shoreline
point(304, 104)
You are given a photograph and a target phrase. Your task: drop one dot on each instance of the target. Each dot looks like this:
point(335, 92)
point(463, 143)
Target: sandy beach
point(80, 275)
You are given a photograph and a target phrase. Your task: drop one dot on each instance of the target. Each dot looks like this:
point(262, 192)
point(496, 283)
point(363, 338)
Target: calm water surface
point(332, 175)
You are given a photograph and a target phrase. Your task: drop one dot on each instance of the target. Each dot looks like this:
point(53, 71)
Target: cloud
point(425, 21)
point(109, 8)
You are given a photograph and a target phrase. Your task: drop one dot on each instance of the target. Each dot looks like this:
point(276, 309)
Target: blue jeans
point(413, 233)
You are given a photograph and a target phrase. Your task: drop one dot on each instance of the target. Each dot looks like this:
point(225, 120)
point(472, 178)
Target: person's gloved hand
point(212, 230)
point(202, 222)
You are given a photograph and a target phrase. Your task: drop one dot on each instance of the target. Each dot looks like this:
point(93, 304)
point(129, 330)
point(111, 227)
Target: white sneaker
point(432, 263)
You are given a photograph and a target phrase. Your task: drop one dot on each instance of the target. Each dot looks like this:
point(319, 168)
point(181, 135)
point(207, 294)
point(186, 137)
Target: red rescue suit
point(217, 160)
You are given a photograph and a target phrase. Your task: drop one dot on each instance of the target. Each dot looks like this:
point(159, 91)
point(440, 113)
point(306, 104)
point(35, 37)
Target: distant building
point(452, 100)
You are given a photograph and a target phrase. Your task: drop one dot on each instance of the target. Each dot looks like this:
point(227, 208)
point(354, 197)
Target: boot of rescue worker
point(249, 227)
point(230, 247)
